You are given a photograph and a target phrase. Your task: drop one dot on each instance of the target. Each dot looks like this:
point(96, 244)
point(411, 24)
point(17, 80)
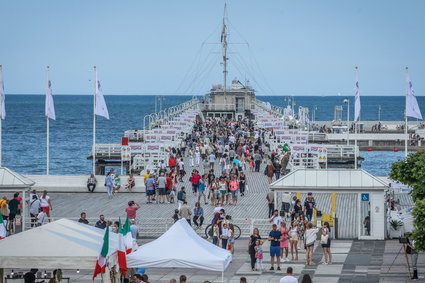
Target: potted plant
point(395, 228)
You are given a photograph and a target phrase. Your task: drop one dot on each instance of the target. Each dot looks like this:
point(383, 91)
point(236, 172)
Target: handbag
point(324, 239)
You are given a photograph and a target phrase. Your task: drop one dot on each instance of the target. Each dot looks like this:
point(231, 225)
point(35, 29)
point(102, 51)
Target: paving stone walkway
point(353, 261)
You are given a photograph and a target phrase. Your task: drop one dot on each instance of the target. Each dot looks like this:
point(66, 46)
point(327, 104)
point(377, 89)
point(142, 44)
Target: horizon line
point(189, 95)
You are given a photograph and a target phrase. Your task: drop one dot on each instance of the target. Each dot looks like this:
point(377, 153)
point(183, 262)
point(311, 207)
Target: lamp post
point(347, 101)
point(379, 113)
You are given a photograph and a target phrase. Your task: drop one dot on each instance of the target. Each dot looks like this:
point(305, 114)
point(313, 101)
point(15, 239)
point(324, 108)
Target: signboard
point(166, 138)
point(125, 153)
point(137, 147)
point(153, 148)
point(365, 197)
point(150, 138)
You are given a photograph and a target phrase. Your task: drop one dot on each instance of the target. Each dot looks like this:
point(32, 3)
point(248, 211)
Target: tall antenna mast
point(224, 47)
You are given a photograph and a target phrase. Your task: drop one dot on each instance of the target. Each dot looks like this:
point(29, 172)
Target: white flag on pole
point(50, 106)
point(101, 108)
point(412, 107)
point(357, 105)
point(2, 97)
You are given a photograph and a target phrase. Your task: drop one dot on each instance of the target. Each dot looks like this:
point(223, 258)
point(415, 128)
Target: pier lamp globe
point(345, 100)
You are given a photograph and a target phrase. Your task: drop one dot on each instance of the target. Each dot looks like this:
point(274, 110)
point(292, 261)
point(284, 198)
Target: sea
point(24, 128)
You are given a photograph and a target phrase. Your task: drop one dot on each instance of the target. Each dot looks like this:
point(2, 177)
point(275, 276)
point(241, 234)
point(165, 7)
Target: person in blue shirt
point(150, 189)
point(109, 183)
point(274, 238)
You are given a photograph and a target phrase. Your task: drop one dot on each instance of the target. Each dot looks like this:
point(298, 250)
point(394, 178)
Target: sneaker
point(272, 268)
point(278, 268)
point(287, 259)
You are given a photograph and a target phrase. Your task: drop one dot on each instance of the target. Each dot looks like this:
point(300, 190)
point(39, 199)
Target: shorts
point(234, 193)
point(201, 192)
point(223, 192)
point(46, 209)
point(328, 244)
point(168, 192)
point(12, 216)
point(195, 187)
point(274, 251)
point(150, 192)
point(161, 191)
point(310, 245)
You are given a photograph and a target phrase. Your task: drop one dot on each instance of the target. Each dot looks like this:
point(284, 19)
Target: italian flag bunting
point(128, 239)
point(122, 255)
point(101, 260)
point(2, 228)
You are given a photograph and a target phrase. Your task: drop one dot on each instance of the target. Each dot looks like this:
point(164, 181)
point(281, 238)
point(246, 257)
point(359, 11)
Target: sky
point(166, 47)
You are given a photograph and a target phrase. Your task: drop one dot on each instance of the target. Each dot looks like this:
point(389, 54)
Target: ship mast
point(224, 48)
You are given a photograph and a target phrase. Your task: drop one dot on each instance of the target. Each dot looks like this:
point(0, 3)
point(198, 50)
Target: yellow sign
point(328, 218)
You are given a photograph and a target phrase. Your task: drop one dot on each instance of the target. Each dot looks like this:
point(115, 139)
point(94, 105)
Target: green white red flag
point(128, 239)
point(122, 255)
point(2, 228)
point(101, 260)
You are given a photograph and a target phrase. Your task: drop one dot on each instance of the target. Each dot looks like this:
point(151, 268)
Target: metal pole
point(348, 121)
point(47, 146)
point(1, 141)
point(48, 131)
point(355, 126)
point(379, 113)
point(24, 210)
point(1, 137)
point(406, 138)
point(94, 122)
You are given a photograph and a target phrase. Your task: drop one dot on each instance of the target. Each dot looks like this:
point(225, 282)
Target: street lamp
point(347, 101)
point(379, 113)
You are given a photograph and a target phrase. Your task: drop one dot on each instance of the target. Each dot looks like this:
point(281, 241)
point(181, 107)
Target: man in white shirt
point(41, 217)
point(276, 219)
point(288, 278)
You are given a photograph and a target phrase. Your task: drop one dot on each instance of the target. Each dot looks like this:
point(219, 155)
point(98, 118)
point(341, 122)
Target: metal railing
point(337, 151)
point(155, 227)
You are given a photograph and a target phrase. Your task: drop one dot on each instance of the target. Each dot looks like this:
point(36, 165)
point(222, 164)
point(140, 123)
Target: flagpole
point(405, 121)
point(94, 122)
point(48, 129)
point(355, 125)
point(1, 149)
point(1, 118)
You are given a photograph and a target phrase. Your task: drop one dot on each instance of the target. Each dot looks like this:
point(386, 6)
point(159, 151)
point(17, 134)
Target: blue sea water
point(24, 129)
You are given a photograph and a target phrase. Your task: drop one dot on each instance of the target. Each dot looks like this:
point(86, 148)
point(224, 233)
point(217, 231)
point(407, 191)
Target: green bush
point(412, 173)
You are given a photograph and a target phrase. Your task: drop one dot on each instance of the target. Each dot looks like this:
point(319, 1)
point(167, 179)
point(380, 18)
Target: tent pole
point(222, 277)
point(24, 210)
point(1, 275)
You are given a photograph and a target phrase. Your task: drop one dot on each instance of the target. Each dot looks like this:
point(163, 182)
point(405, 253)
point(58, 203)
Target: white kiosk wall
point(371, 204)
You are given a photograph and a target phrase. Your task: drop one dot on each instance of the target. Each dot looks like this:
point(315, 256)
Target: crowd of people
point(235, 147)
point(40, 207)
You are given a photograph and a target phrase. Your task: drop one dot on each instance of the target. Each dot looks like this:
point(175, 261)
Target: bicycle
point(209, 231)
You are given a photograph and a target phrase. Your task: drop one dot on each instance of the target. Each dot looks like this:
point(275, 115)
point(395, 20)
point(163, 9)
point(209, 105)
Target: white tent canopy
point(62, 244)
point(11, 179)
point(340, 180)
point(180, 247)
